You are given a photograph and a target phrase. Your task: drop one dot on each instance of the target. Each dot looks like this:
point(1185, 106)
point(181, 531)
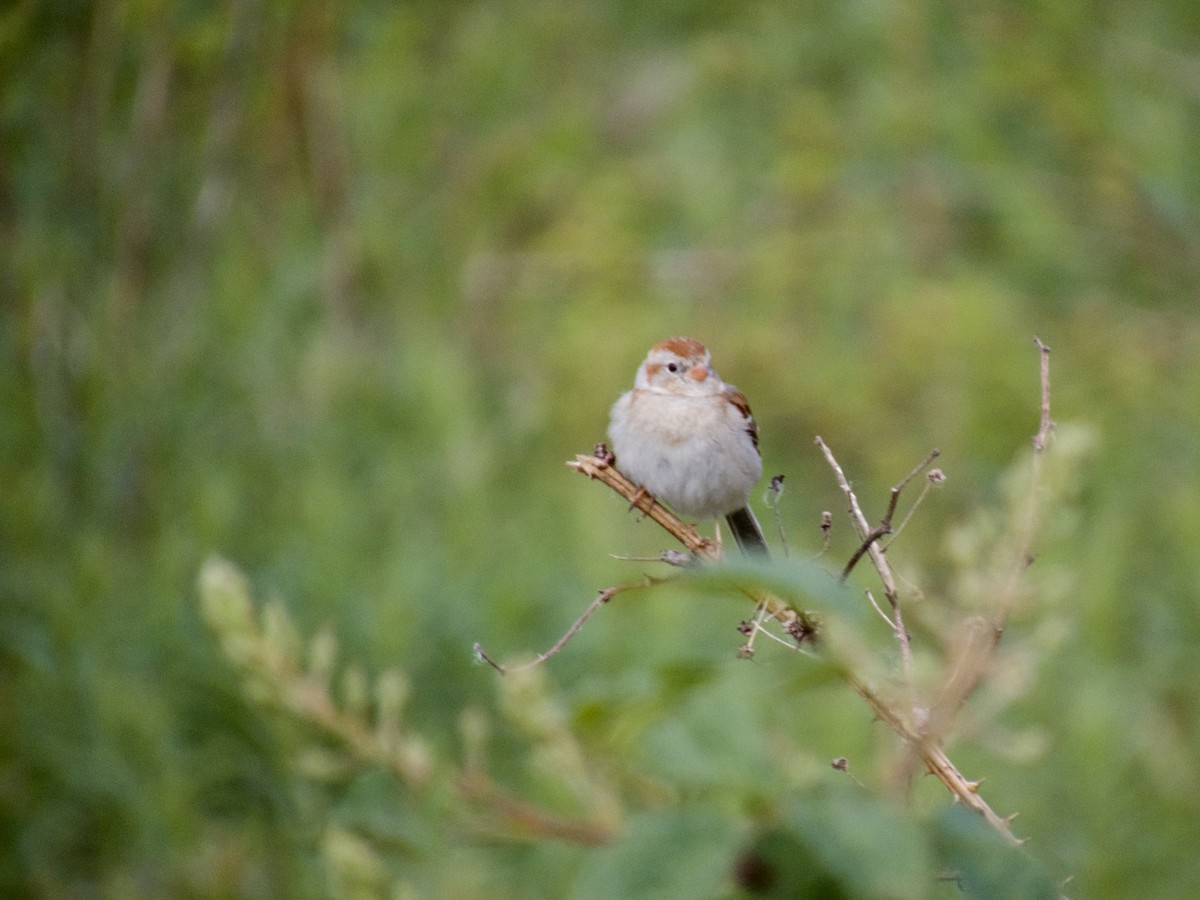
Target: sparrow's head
point(679, 366)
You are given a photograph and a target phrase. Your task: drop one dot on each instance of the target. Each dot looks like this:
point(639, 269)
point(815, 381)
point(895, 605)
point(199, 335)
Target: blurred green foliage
point(333, 290)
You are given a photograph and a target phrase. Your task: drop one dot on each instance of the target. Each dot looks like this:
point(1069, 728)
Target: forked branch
point(921, 733)
point(870, 542)
point(801, 626)
point(600, 468)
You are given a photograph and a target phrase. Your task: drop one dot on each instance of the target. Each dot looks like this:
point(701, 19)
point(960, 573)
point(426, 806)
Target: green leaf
point(685, 853)
point(841, 842)
point(713, 737)
point(983, 865)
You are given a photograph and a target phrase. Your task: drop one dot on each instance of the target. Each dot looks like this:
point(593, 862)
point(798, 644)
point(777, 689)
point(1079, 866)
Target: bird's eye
point(672, 367)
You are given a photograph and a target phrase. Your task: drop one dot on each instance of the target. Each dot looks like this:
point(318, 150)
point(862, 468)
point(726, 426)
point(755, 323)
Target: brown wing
point(738, 399)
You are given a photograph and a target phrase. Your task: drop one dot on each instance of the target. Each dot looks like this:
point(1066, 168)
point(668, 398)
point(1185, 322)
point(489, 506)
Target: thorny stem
point(801, 627)
point(599, 467)
point(924, 740)
point(936, 761)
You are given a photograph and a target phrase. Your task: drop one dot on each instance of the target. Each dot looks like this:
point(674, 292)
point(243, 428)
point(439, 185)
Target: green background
point(334, 290)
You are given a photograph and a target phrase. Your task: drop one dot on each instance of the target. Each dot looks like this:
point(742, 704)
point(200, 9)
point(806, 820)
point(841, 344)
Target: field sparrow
point(688, 438)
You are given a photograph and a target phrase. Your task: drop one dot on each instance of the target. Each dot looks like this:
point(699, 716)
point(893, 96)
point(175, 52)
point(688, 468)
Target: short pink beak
point(698, 372)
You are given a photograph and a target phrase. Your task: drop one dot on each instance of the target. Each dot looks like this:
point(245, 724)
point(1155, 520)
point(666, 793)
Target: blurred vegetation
point(333, 290)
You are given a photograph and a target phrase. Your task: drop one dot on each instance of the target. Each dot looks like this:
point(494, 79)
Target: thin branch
point(774, 496)
point(826, 534)
point(980, 645)
point(1047, 424)
point(841, 764)
point(899, 486)
point(870, 545)
point(867, 543)
point(669, 557)
point(603, 597)
point(879, 609)
point(801, 627)
point(933, 479)
point(520, 819)
point(936, 761)
point(600, 468)
point(751, 629)
point(885, 525)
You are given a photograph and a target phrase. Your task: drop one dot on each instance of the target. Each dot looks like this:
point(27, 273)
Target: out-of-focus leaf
point(983, 866)
point(664, 856)
point(842, 842)
point(713, 738)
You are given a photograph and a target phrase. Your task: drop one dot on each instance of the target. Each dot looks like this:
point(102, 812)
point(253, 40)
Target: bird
point(688, 438)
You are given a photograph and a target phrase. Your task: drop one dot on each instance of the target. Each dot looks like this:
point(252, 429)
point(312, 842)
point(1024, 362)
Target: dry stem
point(977, 650)
point(603, 597)
point(870, 537)
point(924, 739)
point(800, 625)
point(518, 818)
point(936, 761)
point(600, 469)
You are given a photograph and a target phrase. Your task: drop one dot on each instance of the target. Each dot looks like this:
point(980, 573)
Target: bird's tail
point(746, 532)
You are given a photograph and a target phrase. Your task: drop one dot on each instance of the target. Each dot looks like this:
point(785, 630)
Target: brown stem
point(976, 651)
point(870, 545)
point(801, 626)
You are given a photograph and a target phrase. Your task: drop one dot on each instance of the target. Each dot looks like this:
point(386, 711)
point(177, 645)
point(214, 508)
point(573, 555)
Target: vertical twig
point(801, 627)
point(978, 649)
point(1047, 424)
point(774, 495)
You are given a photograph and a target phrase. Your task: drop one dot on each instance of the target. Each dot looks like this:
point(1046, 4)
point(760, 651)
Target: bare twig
point(801, 627)
point(936, 761)
point(870, 545)
point(1047, 424)
point(601, 469)
point(885, 525)
point(481, 656)
point(934, 478)
point(979, 646)
point(867, 543)
point(903, 483)
point(603, 597)
point(774, 495)
point(878, 609)
point(519, 819)
point(826, 534)
point(796, 623)
point(841, 764)
point(669, 557)
point(752, 628)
